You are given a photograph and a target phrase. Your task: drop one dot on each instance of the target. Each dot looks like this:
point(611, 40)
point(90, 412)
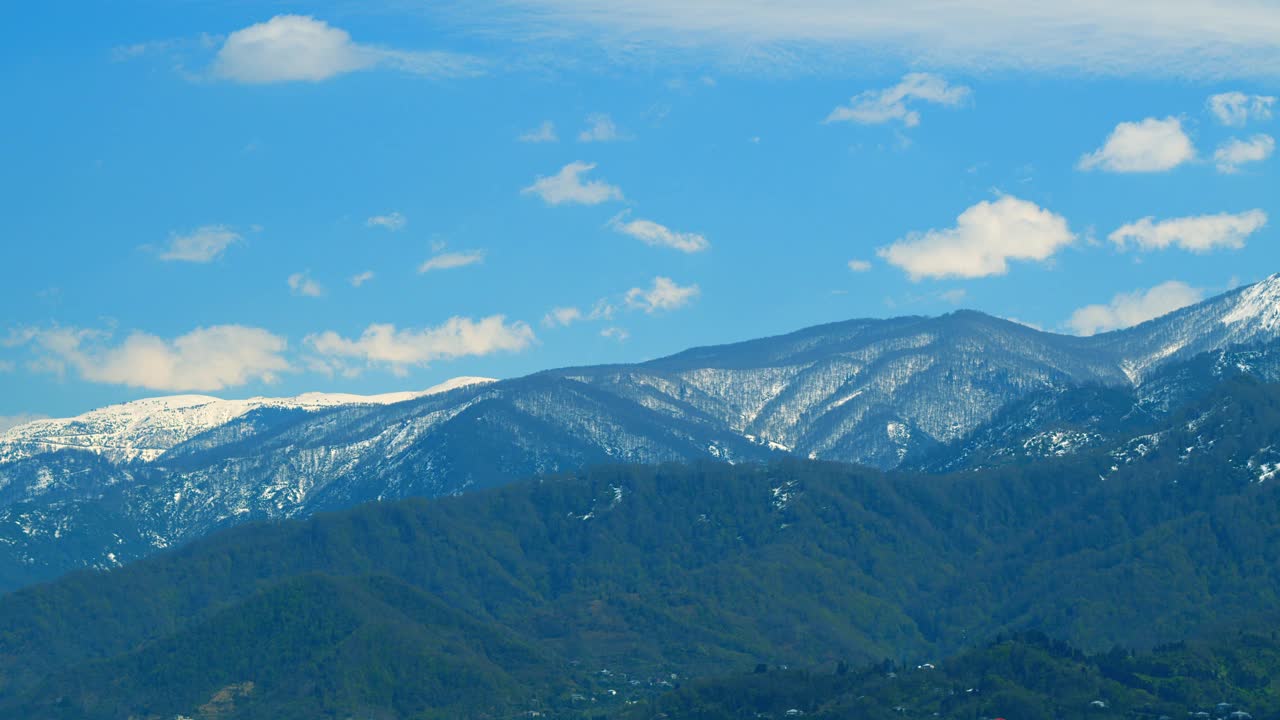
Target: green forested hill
point(1027, 677)
point(618, 579)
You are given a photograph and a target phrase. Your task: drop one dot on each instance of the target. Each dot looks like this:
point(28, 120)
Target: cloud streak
point(449, 261)
point(656, 235)
point(1198, 234)
point(1190, 38)
point(384, 345)
point(875, 107)
point(202, 245)
point(393, 221)
point(568, 187)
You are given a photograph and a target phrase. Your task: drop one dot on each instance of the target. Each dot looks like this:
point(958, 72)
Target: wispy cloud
point(1196, 38)
point(604, 309)
point(615, 333)
point(392, 221)
point(567, 187)
point(383, 345)
point(205, 359)
point(1236, 108)
point(601, 128)
point(652, 233)
point(1199, 234)
point(859, 266)
point(663, 294)
point(1129, 309)
point(361, 278)
point(449, 261)
point(544, 133)
point(986, 237)
point(562, 317)
point(300, 48)
point(301, 284)
point(874, 107)
point(202, 245)
point(1236, 152)
point(1148, 146)
point(8, 422)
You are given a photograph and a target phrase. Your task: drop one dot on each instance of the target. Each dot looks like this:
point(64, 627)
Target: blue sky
point(270, 198)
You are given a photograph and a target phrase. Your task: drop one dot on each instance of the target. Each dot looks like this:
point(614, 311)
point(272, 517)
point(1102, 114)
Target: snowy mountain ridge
point(943, 392)
point(142, 430)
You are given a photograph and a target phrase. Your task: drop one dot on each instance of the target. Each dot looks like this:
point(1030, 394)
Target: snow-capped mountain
point(1244, 316)
point(144, 429)
point(963, 387)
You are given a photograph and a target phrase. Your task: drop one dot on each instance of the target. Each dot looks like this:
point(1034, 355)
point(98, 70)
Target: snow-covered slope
point(1243, 316)
point(144, 429)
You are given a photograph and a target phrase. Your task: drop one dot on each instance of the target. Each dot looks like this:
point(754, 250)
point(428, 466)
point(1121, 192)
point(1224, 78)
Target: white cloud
point(392, 221)
point(1129, 309)
point(615, 333)
point(1199, 38)
point(600, 128)
point(382, 345)
point(1024, 323)
point(1236, 152)
point(874, 107)
point(293, 48)
point(954, 296)
point(568, 187)
point(1236, 108)
point(8, 422)
point(562, 317)
point(449, 261)
point(361, 278)
point(302, 284)
point(603, 309)
point(663, 294)
point(544, 133)
point(651, 233)
point(1148, 146)
point(1198, 234)
point(985, 238)
point(202, 245)
point(859, 266)
point(205, 359)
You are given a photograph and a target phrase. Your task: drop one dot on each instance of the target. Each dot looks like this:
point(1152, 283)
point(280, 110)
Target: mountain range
point(939, 394)
point(592, 594)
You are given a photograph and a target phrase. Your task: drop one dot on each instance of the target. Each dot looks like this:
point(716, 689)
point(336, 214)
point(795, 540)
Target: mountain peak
point(1258, 303)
